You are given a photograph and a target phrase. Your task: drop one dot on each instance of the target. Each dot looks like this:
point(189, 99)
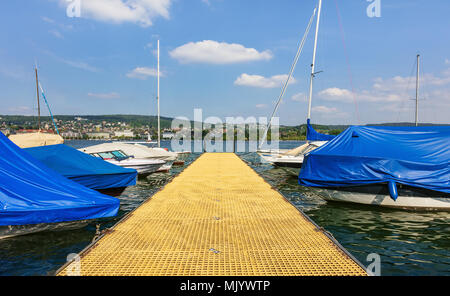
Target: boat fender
point(393, 190)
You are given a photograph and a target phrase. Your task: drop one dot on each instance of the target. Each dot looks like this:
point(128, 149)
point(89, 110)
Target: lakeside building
point(99, 135)
point(124, 134)
point(168, 135)
point(71, 135)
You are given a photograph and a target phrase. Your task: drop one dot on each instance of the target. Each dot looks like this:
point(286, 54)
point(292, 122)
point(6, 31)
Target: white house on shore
point(124, 134)
point(168, 135)
point(105, 136)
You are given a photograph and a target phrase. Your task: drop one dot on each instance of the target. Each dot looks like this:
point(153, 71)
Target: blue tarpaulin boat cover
point(31, 193)
point(415, 156)
point(313, 135)
point(83, 168)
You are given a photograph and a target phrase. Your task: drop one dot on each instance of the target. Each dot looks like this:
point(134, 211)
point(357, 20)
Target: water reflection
point(409, 243)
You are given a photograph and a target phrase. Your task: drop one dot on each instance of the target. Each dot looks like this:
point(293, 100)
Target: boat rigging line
point(283, 90)
point(349, 70)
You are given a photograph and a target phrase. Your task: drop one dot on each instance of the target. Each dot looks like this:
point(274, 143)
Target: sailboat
point(139, 151)
point(172, 158)
point(292, 160)
point(397, 167)
point(38, 138)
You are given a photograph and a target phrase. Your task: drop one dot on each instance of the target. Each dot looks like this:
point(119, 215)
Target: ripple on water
point(409, 243)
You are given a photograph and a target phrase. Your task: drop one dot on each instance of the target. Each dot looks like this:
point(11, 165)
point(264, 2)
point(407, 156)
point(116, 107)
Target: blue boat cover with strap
point(415, 156)
point(83, 168)
point(313, 135)
point(31, 193)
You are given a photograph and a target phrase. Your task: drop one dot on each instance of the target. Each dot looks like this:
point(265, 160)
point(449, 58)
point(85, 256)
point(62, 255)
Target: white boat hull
point(143, 167)
point(402, 202)
point(165, 168)
point(292, 163)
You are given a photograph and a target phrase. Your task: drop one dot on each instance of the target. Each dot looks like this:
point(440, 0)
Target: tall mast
point(157, 98)
point(313, 65)
point(39, 104)
point(417, 90)
point(299, 51)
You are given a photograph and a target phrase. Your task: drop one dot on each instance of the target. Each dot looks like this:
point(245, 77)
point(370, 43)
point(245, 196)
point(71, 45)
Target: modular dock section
point(217, 218)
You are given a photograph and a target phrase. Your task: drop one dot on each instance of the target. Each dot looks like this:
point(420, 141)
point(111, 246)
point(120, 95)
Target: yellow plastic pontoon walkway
point(218, 217)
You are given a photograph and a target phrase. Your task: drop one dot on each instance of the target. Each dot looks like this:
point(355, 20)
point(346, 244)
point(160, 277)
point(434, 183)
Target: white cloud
point(336, 94)
point(80, 65)
point(141, 12)
point(300, 97)
point(48, 20)
point(112, 95)
point(395, 89)
point(325, 112)
point(75, 64)
point(263, 82)
point(392, 99)
point(56, 33)
point(143, 73)
point(20, 110)
point(325, 109)
point(261, 106)
point(447, 61)
point(15, 72)
point(213, 52)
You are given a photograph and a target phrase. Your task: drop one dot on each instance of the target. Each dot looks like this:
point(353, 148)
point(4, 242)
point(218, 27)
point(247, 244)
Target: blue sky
point(228, 57)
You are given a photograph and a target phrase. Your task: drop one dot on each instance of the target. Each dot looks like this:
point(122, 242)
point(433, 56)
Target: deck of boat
point(218, 217)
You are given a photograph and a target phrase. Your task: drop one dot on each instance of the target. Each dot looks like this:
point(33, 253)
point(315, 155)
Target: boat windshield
point(106, 155)
point(118, 155)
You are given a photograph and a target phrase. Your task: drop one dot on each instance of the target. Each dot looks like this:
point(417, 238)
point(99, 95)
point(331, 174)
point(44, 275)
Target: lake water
point(409, 243)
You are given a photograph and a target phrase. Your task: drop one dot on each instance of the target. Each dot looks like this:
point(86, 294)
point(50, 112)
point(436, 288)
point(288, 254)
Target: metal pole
point(417, 90)
point(39, 104)
point(313, 65)
point(159, 121)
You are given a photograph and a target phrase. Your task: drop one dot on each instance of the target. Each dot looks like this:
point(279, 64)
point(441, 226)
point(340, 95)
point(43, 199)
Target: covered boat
point(35, 139)
point(85, 169)
point(34, 197)
point(313, 135)
point(404, 167)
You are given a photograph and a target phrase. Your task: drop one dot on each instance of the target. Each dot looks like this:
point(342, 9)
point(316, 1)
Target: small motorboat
point(139, 151)
point(397, 167)
point(143, 166)
point(85, 169)
point(35, 198)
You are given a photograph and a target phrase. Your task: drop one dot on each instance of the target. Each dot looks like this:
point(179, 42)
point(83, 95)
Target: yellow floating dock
point(217, 218)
